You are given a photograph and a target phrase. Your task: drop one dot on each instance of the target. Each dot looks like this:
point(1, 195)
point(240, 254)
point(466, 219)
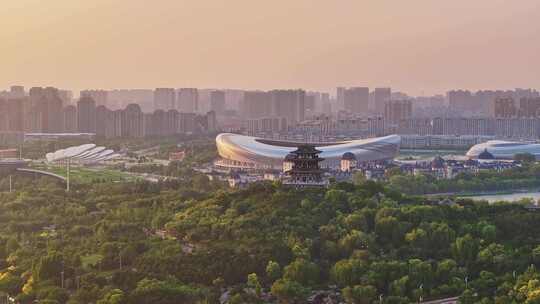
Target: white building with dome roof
point(504, 149)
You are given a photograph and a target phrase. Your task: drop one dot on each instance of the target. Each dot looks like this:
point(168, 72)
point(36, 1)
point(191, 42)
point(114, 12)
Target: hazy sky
point(412, 45)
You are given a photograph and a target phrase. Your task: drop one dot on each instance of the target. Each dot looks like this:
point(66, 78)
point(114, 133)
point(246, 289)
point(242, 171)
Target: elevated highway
point(41, 172)
point(8, 166)
point(12, 166)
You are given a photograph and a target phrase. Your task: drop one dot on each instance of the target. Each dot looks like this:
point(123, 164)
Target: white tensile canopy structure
point(84, 154)
point(91, 152)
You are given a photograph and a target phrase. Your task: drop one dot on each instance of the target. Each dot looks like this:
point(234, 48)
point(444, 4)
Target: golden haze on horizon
point(415, 46)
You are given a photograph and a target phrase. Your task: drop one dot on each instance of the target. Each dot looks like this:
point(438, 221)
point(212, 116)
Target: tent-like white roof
point(88, 153)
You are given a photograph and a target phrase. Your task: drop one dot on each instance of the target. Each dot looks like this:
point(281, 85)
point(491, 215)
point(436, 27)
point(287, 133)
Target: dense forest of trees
point(192, 241)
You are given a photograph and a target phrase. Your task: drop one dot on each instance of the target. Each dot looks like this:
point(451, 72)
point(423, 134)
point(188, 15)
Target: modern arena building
point(504, 149)
point(246, 152)
point(84, 154)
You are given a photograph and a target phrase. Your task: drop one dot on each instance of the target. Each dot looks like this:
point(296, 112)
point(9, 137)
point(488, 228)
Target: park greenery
point(197, 153)
point(162, 145)
point(199, 150)
point(84, 175)
point(192, 240)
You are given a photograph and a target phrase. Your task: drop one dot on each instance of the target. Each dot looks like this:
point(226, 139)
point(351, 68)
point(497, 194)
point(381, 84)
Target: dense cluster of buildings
point(456, 121)
point(517, 128)
point(48, 111)
point(301, 164)
point(289, 105)
point(441, 168)
point(481, 103)
point(526, 107)
point(353, 112)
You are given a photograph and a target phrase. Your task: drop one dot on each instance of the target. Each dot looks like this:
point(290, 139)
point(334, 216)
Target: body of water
point(510, 197)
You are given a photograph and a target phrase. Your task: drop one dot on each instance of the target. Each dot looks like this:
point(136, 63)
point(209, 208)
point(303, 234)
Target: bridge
point(41, 172)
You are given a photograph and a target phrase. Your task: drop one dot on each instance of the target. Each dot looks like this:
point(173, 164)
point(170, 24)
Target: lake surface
point(511, 197)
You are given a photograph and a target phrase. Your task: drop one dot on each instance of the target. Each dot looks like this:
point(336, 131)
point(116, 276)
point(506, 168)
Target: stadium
point(246, 152)
point(504, 149)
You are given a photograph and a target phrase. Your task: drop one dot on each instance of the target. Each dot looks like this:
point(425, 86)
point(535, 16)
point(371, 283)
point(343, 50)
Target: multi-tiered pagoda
point(305, 171)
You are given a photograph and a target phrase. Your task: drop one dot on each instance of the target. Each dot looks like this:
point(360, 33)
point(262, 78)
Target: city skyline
point(419, 47)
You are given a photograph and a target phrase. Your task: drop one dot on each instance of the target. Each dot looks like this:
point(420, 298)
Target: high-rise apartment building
point(461, 101)
point(4, 115)
point(33, 111)
point(164, 99)
point(55, 104)
point(43, 112)
point(187, 122)
point(66, 96)
point(517, 128)
point(101, 120)
point(397, 110)
point(485, 100)
point(289, 104)
point(172, 122)
point(325, 105)
point(119, 99)
point(132, 121)
point(217, 102)
point(156, 124)
point(86, 115)
point(340, 98)
point(356, 100)
point(70, 119)
point(207, 123)
point(380, 97)
point(529, 107)
point(266, 125)
point(188, 100)
point(233, 99)
point(256, 104)
point(278, 103)
point(12, 114)
point(16, 92)
point(101, 97)
point(114, 124)
point(310, 102)
point(505, 107)
point(415, 126)
point(204, 103)
point(462, 126)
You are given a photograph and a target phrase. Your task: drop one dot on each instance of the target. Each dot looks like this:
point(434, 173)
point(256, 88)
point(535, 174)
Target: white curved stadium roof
point(247, 149)
point(87, 153)
point(92, 152)
point(100, 156)
point(75, 151)
point(504, 149)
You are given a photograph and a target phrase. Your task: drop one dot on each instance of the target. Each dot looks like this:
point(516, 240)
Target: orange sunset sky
point(416, 46)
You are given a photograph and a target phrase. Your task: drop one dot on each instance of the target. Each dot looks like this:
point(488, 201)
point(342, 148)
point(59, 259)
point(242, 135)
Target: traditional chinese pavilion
point(305, 170)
